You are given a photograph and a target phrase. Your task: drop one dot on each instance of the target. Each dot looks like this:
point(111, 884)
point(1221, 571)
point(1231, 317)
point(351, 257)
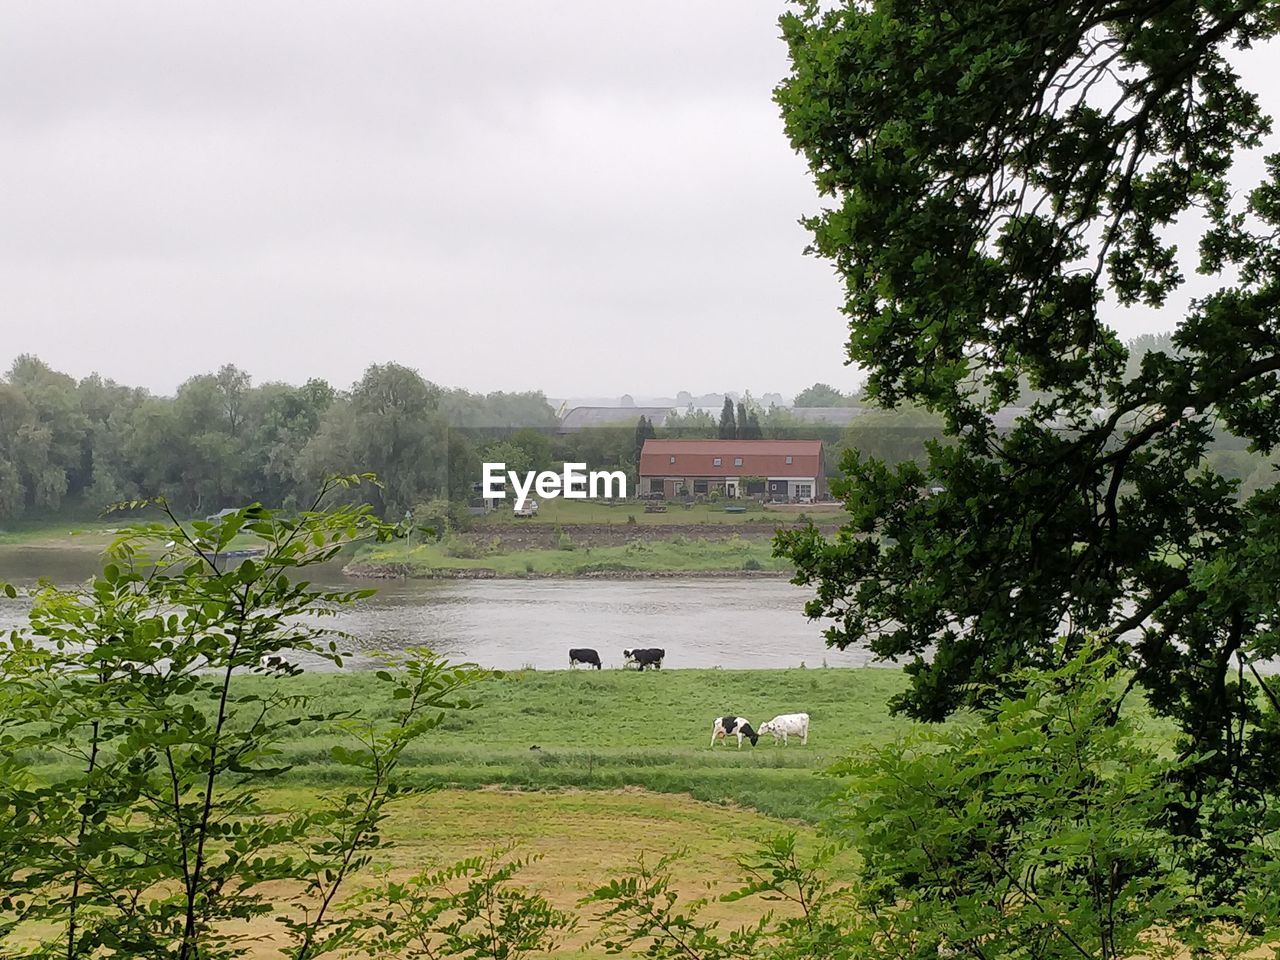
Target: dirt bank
point(510, 537)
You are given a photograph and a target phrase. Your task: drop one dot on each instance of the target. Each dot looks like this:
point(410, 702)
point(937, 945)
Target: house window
point(788, 460)
point(673, 459)
point(737, 461)
point(715, 462)
point(804, 491)
point(699, 486)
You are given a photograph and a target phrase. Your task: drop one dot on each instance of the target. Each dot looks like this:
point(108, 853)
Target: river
point(509, 624)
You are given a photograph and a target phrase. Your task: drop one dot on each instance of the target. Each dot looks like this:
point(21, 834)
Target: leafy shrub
point(155, 839)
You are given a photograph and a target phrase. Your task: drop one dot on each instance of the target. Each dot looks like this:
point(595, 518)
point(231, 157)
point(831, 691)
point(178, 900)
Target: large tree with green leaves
point(820, 395)
point(996, 176)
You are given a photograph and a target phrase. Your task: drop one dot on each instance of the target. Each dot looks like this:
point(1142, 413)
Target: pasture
point(615, 729)
point(612, 729)
point(623, 768)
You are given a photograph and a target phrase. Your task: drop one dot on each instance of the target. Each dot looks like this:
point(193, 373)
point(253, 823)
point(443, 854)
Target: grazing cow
point(727, 726)
point(647, 657)
point(585, 655)
point(787, 725)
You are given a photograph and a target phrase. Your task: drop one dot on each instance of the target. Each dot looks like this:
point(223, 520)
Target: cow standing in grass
point(788, 725)
point(733, 726)
point(646, 657)
point(584, 655)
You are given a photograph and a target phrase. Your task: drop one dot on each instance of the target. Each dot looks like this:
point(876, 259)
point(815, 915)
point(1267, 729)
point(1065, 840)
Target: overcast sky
point(584, 197)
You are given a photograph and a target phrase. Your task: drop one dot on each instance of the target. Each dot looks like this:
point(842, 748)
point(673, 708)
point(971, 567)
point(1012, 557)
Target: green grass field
point(623, 768)
point(621, 728)
point(615, 729)
point(679, 554)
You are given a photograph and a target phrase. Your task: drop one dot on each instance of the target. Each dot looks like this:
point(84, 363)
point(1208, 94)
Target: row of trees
point(75, 447)
point(222, 441)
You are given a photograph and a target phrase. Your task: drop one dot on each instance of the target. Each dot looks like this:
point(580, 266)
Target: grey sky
point(583, 197)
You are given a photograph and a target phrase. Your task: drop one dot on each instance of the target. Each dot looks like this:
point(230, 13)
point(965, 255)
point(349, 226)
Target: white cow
point(788, 725)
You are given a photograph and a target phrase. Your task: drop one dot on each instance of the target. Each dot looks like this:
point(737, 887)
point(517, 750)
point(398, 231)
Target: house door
point(731, 489)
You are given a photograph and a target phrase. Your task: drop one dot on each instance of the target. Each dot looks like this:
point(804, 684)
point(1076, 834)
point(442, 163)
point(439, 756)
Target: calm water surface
point(509, 624)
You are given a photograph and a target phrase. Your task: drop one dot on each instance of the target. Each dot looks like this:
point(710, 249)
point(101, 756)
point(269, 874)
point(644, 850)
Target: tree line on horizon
point(73, 448)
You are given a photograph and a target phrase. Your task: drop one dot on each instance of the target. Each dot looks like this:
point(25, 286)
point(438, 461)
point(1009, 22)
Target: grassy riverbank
point(567, 557)
point(92, 534)
point(568, 512)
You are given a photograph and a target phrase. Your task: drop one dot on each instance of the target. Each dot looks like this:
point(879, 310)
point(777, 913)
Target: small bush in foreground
point(155, 844)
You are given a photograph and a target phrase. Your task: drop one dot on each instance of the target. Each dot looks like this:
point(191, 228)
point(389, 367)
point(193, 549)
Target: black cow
point(647, 657)
point(730, 726)
point(585, 655)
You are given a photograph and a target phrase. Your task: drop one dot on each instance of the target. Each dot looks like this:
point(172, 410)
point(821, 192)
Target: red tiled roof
point(760, 458)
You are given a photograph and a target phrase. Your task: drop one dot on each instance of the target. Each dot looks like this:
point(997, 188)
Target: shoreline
point(408, 571)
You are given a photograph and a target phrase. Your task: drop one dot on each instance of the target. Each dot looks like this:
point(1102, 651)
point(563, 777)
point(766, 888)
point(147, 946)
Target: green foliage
point(516, 457)
point(153, 841)
point(78, 447)
point(993, 173)
point(894, 436)
point(690, 425)
point(470, 909)
point(1037, 829)
point(644, 431)
point(641, 910)
point(1041, 831)
point(822, 395)
point(728, 429)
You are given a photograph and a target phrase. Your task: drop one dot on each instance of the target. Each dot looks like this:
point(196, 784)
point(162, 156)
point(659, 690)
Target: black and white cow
point(646, 657)
point(584, 655)
point(731, 726)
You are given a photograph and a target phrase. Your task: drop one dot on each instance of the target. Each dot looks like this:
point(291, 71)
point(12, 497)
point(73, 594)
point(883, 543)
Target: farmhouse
point(777, 469)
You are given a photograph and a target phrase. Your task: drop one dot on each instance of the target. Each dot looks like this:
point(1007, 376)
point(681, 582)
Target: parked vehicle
point(528, 509)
